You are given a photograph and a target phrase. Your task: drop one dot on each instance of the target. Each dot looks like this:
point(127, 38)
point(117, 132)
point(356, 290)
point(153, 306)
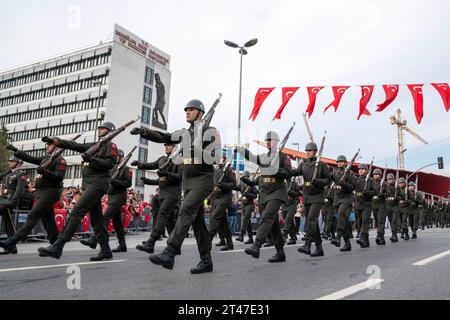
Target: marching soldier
point(96, 175)
point(249, 194)
point(313, 198)
point(275, 169)
point(414, 200)
point(169, 183)
point(221, 198)
point(364, 191)
point(48, 191)
point(392, 205)
point(198, 183)
point(328, 211)
point(288, 210)
point(379, 206)
point(13, 186)
point(343, 191)
point(117, 198)
point(403, 208)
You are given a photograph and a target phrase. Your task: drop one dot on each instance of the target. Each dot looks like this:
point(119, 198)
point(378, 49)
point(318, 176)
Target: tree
point(4, 140)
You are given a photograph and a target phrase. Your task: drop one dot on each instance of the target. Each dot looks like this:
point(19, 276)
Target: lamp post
point(242, 52)
point(99, 84)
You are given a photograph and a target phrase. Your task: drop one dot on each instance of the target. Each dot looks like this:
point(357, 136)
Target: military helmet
point(390, 176)
point(120, 153)
point(246, 174)
point(108, 125)
point(377, 171)
point(362, 166)
point(311, 147)
point(341, 158)
point(402, 180)
point(412, 183)
point(15, 159)
point(272, 135)
point(196, 104)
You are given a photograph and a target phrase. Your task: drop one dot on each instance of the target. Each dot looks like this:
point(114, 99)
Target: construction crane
point(401, 126)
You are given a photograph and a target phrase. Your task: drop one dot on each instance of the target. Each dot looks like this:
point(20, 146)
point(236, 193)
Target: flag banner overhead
point(260, 97)
point(287, 93)
point(312, 94)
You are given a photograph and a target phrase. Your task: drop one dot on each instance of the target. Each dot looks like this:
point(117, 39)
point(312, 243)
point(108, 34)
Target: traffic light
point(440, 162)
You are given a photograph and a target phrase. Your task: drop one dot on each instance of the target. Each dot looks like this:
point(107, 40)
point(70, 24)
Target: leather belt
point(4, 191)
point(308, 184)
point(375, 197)
point(338, 187)
point(391, 198)
point(192, 161)
point(162, 179)
point(268, 180)
point(86, 164)
point(358, 194)
point(38, 176)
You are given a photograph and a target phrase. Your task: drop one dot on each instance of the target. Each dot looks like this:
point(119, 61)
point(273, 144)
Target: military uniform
point(393, 209)
point(403, 212)
point(288, 209)
point(363, 193)
point(48, 191)
point(328, 212)
point(169, 183)
point(379, 210)
point(414, 201)
point(249, 194)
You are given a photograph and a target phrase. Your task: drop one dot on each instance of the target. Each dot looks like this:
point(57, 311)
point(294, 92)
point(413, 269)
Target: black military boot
point(306, 248)
point(318, 252)
point(291, 241)
point(104, 254)
point(91, 242)
point(394, 238)
point(382, 240)
point(221, 243)
point(378, 238)
point(148, 246)
point(337, 241)
point(347, 246)
point(402, 235)
point(122, 247)
point(363, 240)
point(414, 235)
point(240, 238)
point(55, 250)
point(254, 249)
point(229, 246)
point(250, 240)
point(205, 264)
point(278, 257)
point(406, 236)
point(10, 245)
point(166, 259)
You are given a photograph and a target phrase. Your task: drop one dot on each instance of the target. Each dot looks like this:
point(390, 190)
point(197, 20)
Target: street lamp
point(99, 84)
point(242, 52)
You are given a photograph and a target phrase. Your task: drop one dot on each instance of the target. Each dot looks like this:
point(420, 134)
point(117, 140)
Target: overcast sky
point(301, 43)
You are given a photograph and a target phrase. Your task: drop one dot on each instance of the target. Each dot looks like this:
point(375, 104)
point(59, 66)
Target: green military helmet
point(15, 159)
point(412, 184)
point(246, 174)
point(272, 135)
point(402, 180)
point(362, 166)
point(377, 171)
point(196, 104)
point(311, 147)
point(390, 176)
point(341, 158)
point(108, 125)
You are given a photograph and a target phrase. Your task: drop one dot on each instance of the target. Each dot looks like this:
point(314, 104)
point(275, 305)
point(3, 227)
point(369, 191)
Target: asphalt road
point(387, 272)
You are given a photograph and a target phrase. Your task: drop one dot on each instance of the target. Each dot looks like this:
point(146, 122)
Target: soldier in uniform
point(364, 191)
point(48, 191)
point(13, 186)
point(392, 206)
point(275, 169)
point(379, 206)
point(313, 198)
point(249, 194)
point(328, 211)
point(221, 198)
point(117, 198)
point(198, 183)
point(403, 208)
point(414, 201)
point(289, 209)
point(96, 175)
point(169, 184)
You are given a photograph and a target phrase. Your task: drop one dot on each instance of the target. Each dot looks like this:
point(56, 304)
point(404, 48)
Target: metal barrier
point(20, 218)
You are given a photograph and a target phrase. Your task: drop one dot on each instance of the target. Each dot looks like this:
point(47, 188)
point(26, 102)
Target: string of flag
point(390, 90)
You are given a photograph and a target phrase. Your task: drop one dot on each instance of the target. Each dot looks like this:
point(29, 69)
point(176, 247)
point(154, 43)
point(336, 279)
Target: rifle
point(349, 166)
point(286, 138)
point(123, 163)
point(311, 139)
point(396, 183)
point(96, 147)
point(206, 120)
point(56, 153)
point(417, 187)
point(224, 170)
point(319, 156)
point(248, 187)
point(406, 189)
point(366, 183)
point(383, 179)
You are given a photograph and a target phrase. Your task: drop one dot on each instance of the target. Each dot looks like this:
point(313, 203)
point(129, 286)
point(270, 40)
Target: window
point(142, 157)
point(147, 95)
point(149, 72)
point(139, 175)
point(143, 141)
point(145, 115)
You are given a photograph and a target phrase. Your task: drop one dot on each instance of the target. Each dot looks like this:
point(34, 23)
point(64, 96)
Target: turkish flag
point(416, 91)
point(85, 223)
point(338, 92)
point(366, 94)
point(287, 93)
point(444, 91)
point(391, 91)
point(312, 94)
point(260, 97)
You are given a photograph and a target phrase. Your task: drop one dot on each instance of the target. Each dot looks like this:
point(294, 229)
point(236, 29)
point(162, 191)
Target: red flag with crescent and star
point(260, 97)
point(366, 94)
point(416, 91)
point(338, 92)
point(312, 94)
point(391, 91)
point(444, 91)
point(287, 93)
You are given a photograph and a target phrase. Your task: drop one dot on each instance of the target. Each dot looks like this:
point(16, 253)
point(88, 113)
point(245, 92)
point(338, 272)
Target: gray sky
point(301, 43)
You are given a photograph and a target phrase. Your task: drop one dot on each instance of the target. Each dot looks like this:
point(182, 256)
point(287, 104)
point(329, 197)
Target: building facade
point(115, 81)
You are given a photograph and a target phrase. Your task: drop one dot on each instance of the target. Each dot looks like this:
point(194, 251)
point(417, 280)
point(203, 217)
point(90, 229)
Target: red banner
point(287, 93)
point(312, 94)
point(366, 94)
point(338, 92)
point(260, 97)
point(444, 91)
point(417, 94)
point(391, 91)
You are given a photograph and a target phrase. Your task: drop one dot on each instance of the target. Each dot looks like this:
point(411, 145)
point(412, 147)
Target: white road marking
point(59, 265)
point(351, 290)
point(430, 259)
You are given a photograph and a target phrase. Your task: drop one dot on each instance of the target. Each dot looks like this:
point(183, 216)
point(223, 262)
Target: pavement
point(407, 270)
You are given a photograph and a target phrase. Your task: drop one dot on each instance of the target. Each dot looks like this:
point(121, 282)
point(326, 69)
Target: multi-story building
point(115, 81)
